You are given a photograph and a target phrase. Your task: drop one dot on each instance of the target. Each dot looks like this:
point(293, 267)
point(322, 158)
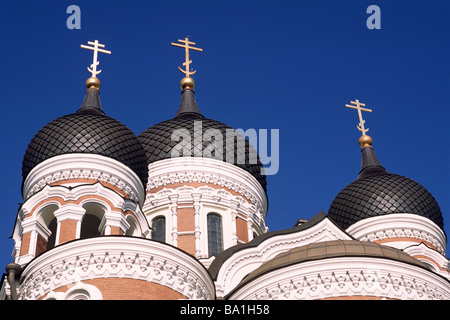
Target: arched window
point(47, 219)
point(133, 230)
point(215, 242)
point(159, 229)
point(92, 219)
point(89, 226)
point(52, 238)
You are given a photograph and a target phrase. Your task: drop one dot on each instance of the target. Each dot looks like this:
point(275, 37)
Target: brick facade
point(128, 289)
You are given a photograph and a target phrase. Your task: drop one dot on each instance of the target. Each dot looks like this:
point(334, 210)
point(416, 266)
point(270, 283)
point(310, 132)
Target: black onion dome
point(377, 192)
point(88, 130)
point(158, 143)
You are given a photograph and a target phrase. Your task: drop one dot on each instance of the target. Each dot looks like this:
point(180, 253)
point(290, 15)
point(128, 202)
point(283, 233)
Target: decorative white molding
point(244, 261)
point(205, 199)
point(69, 211)
point(209, 196)
point(206, 170)
point(437, 261)
point(399, 225)
point(234, 213)
point(174, 222)
point(346, 277)
point(4, 291)
point(197, 232)
point(112, 203)
point(207, 261)
point(114, 219)
point(116, 257)
point(80, 291)
point(95, 193)
point(84, 166)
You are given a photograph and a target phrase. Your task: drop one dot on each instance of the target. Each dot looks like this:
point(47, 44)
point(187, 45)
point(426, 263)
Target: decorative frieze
point(203, 200)
point(346, 277)
point(80, 291)
point(121, 257)
point(400, 230)
point(211, 196)
point(207, 171)
point(440, 263)
point(85, 174)
point(244, 261)
point(76, 168)
point(67, 205)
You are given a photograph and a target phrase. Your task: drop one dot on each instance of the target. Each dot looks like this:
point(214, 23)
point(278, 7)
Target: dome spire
point(92, 98)
point(370, 165)
point(188, 104)
point(376, 193)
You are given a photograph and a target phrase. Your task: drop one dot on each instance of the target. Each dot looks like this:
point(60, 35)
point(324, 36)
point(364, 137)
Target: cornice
point(399, 225)
point(242, 262)
point(430, 256)
point(116, 256)
point(208, 171)
point(346, 277)
point(61, 195)
point(79, 167)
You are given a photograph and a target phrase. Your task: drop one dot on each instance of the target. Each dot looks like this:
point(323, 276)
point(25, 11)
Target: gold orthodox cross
point(357, 105)
point(186, 45)
point(96, 48)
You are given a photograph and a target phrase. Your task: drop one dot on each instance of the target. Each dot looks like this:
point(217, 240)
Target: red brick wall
point(186, 222)
point(67, 230)
point(186, 218)
point(41, 245)
point(186, 242)
point(25, 244)
point(241, 229)
point(116, 231)
point(129, 289)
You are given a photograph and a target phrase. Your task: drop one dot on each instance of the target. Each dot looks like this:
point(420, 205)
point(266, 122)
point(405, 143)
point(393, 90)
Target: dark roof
point(226, 254)
point(88, 130)
point(158, 143)
point(377, 192)
point(331, 249)
point(188, 103)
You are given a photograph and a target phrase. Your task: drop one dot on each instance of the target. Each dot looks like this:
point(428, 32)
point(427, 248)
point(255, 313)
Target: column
point(197, 231)
point(173, 209)
point(69, 219)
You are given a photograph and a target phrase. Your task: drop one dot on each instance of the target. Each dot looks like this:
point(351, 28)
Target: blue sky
point(288, 64)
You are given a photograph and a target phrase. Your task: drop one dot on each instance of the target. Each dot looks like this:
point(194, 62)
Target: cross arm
point(93, 49)
point(354, 107)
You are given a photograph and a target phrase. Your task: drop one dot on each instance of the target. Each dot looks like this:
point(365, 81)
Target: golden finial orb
point(93, 82)
point(187, 83)
point(365, 141)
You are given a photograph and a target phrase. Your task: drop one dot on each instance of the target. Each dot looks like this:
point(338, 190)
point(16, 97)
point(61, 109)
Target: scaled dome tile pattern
point(383, 194)
point(86, 131)
point(158, 144)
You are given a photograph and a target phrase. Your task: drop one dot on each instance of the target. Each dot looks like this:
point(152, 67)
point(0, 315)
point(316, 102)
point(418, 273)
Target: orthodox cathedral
point(110, 215)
